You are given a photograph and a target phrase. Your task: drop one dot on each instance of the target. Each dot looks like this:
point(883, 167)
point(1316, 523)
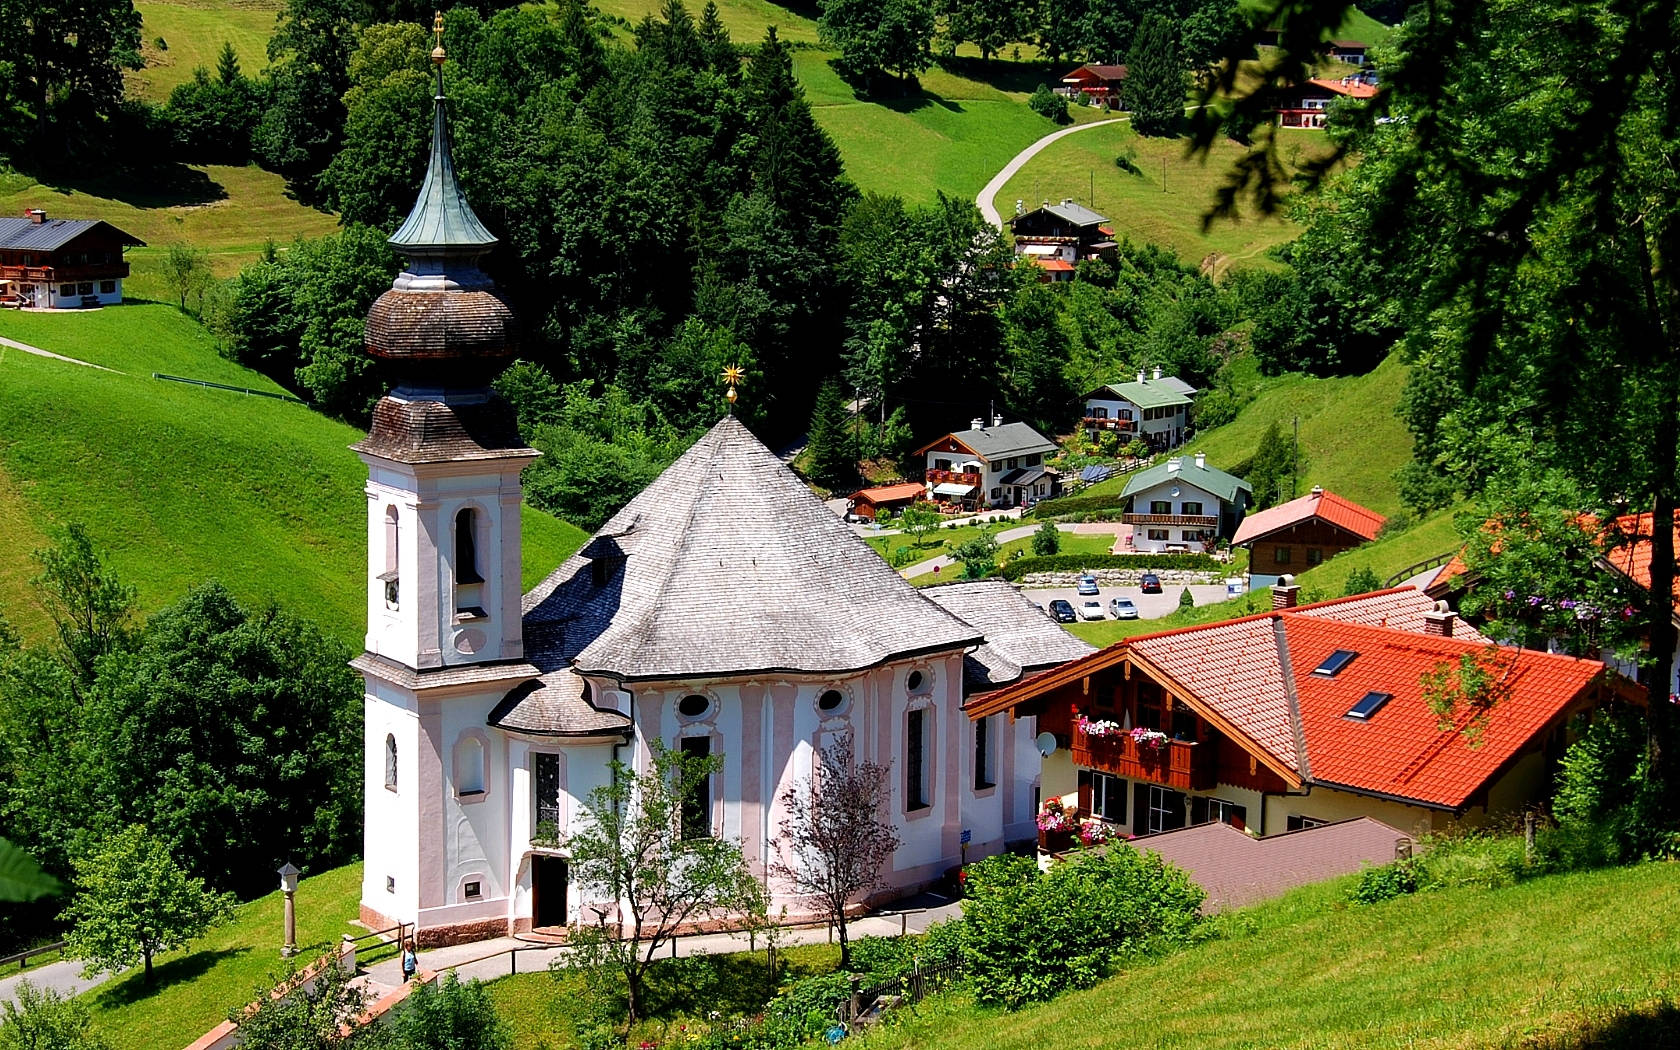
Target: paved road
point(984, 200)
point(38, 352)
point(1150, 606)
point(63, 977)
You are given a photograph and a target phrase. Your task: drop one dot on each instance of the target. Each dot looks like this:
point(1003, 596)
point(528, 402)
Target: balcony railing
point(1191, 521)
point(65, 274)
point(1182, 764)
point(1105, 423)
point(940, 477)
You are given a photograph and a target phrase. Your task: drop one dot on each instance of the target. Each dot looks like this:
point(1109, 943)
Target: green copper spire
point(442, 222)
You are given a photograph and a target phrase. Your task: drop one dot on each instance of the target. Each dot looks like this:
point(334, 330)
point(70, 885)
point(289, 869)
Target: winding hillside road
point(984, 200)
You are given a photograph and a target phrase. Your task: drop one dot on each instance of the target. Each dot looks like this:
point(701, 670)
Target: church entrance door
point(548, 891)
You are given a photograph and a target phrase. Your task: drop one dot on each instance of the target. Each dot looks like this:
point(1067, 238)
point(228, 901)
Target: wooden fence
point(867, 1004)
point(22, 958)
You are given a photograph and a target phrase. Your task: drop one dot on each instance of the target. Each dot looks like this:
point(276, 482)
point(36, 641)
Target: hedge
point(1073, 505)
point(1097, 562)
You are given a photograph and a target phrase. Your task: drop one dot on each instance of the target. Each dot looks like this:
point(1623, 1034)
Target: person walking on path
point(410, 961)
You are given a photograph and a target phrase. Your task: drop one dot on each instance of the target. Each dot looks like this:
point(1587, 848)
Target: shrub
point(1046, 541)
point(1073, 505)
point(1361, 581)
point(1049, 105)
point(450, 1016)
point(1386, 883)
point(1186, 600)
point(1030, 936)
point(1094, 562)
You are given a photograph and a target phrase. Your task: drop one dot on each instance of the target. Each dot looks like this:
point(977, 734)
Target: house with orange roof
point(1299, 716)
point(1303, 533)
point(1631, 559)
point(1307, 105)
point(865, 504)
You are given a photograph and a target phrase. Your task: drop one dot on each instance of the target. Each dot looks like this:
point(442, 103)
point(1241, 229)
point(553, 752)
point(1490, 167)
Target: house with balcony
point(1001, 465)
point(1099, 83)
point(1182, 506)
point(57, 264)
point(1299, 716)
point(1302, 533)
point(1056, 237)
point(1154, 407)
point(1307, 105)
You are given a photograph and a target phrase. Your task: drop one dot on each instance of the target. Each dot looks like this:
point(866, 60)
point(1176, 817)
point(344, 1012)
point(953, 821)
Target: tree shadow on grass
point(169, 185)
point(1003, 75)
point(890, 92)
point(134, 987)
point(1653, 1028)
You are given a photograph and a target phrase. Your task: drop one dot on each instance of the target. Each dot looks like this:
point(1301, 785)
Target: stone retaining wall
point(1124, 577)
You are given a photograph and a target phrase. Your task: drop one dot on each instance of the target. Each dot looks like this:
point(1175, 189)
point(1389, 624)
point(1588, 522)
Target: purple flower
point(1509, 595)
point(1533, 600)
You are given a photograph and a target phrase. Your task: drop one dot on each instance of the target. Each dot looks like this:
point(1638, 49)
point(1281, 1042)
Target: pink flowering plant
point(1095, 833)
point(1151, 738)
point(1055, 815)
point(1098, 727)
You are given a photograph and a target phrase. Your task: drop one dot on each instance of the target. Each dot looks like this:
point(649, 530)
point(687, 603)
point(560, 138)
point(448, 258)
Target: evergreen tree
point(721, 56)
point(832, 457)
point(227, 67)
point(1037, 348)
point(1273, 469)
point(1154, 84)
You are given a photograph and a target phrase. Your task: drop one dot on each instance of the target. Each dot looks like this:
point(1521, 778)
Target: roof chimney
point(1439, 621)
point(1285, 594)
point(1140, 375)
point(1157, 371)
point(1173, 464)
point(977, 423)
point(1201, 461)
point(1317, 490)
point(36, 215)
point(1067, 200)
point(997, 421)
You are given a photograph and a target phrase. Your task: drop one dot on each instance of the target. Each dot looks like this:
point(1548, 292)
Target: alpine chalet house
point(867, 504)
point(59, 264)
point(1307, 106)
point(1057, 236)
point(1302, 533)
point(1182, 505)
point(724, 611)
point(1098, 83)
point(1297, 717)
point(1001, 465)
point(1157, 409)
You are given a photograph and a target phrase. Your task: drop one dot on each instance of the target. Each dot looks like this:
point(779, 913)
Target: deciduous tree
point(834, 843)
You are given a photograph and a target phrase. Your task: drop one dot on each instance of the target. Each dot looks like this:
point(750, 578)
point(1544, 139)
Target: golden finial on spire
point(437, 38)
point(733, 375)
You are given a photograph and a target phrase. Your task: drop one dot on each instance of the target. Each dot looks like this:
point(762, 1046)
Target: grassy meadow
point(1163, 198)
point(229, 212)
point(1567, 961)
point(193, 988)
point(179, 484)
point(193, 32)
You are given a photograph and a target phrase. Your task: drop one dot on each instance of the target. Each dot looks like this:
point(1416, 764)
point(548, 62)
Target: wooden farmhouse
point(1098, 83)
point(1353, 52)
point(1056, 237)
point(865, 504)
point(1001, 465)
point(58, 264)
point(1308, 105)
point(1302, 533)
point(1298, 717)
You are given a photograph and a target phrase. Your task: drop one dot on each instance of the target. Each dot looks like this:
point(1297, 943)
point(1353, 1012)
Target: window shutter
point(1085, 791)
point(1140, 809)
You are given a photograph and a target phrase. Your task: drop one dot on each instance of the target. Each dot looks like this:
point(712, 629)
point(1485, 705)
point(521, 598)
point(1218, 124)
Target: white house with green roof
point(1182, 505)
point(1155, 408)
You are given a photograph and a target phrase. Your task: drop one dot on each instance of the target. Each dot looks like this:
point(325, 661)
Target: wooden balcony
point(64, 274)
point(1182, 764)
point(1189, 521)
point(1125, 426)
point(941, 477)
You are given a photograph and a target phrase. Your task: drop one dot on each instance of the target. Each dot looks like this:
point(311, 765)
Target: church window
point(915, 760)
point(983, 777)
point(915, 682)
point(466, 547)
point(697, 802)
point(469, 766)
point(472, 891)
point(831, 702)
point(694, 706)
point(389, 576)
point(546, 774)
point(390, 762)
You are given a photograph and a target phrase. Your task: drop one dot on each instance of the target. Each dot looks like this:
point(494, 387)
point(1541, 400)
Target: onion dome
point(442, 325)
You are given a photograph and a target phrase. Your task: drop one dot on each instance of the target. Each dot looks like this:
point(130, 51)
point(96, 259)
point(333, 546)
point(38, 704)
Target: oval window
point(693, 705)
point(915, 681)
point(831, 701)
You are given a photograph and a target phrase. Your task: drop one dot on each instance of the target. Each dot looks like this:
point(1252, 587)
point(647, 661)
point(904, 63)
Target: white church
point(724, 611)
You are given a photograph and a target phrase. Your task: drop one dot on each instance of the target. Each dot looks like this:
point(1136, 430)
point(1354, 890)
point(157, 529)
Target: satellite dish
point(1046, 744)
point(1174, 490)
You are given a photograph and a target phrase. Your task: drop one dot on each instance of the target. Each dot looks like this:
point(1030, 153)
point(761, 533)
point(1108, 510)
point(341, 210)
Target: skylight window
point(1368, 705)
point(1333, 664)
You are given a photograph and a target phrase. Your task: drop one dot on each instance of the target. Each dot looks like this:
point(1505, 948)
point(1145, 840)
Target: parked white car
point(1091, 611)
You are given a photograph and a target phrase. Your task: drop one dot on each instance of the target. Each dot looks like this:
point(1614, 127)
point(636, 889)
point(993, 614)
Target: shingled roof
point(1020, 637)
point(726, 564)
point(26, 234)
point(999, 442)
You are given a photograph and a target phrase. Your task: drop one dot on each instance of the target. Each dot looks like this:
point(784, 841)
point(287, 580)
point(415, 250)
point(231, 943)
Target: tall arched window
point(466, 547)
point(389, 576)
point(390, 762)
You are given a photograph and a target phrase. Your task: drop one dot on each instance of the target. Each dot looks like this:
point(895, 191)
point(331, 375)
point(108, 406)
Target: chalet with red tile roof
point(1097, 82)
point(1302, 533)
point(1306, 106)
point(865, 504)
point(1297, 717)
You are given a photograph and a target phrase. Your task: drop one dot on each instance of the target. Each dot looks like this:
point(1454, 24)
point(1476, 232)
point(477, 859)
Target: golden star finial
point(733, 375)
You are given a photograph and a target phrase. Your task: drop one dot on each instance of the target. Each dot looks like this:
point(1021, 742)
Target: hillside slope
point(180, 484)
point(1566, 961)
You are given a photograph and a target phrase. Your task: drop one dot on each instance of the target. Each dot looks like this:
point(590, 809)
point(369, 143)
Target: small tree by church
point(834, 846)
point(133, 901)
point(646, 843)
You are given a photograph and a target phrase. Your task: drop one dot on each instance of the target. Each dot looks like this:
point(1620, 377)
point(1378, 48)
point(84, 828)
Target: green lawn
point(1351, 437)
point(746, 20)
point(1572, 961)
point(193, 989)
point(194, 31)
point(179, 484)
point(1163, 200)
point(1425, 538)
point(229, 212)
point(543, 1009)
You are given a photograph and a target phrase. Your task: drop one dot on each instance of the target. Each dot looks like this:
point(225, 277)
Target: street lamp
point(288, 885)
